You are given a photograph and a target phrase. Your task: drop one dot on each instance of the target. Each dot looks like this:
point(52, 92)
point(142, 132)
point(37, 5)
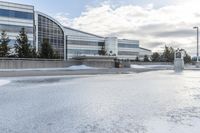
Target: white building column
point(111, 45)
point(65, 48)
point(36, 31)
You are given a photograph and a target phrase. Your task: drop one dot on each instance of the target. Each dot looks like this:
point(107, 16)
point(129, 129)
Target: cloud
point(154, 27)
point(64, 19)
point(175, 33)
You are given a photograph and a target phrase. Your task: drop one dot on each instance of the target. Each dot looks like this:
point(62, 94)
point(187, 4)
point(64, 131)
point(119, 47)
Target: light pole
point(197, 43)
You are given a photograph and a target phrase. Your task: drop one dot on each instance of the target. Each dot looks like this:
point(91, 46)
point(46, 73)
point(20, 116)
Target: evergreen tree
point(162, 58)
point(146, 58)
point(103, 50)
point(187, 58)
point(46, 50)
point(137, 59)
point(172, 52)
point(4, 48)
point(23, 48)
point(166, 54)
point(34, 53)
point(155, 57)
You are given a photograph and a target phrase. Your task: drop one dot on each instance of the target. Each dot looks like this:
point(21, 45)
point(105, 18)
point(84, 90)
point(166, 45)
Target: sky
point(155, 23)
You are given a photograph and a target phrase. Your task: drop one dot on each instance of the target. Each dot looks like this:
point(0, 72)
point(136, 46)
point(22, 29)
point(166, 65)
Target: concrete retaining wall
point(37, 63)
point(25, 64)
point(99, 64)
point(98, 61)
point(152, 63)
point(40, 63)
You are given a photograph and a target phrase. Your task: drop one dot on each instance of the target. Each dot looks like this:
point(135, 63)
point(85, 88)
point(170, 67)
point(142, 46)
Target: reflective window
point(85, 43)
point(15, 28)
point(16, 14)
point(127, 53)
point(81, 52)
point(123, 45)
point(47, 29)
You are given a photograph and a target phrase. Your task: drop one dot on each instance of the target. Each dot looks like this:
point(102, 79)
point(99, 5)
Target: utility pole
point(197, 43)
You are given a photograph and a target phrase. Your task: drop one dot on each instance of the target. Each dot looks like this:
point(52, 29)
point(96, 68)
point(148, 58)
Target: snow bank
point(80, 67)
point(4, 82)
point(152, 66)
point(137, 66)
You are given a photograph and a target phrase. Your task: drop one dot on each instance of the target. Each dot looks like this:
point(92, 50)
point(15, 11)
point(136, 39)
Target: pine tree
point(46, 50)
point(23, 48)
point(137, 59)
point(103, 50)
point(155, 57)
point(146, 58)
point(166, 54)
point(33, 53)
point(187, 58)
point(4, 48)
point(172, 52)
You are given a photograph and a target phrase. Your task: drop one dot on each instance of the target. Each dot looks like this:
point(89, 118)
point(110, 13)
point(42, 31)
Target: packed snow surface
point(152, 102)
point(153, 66)
point(80, 67)
point(3, 82)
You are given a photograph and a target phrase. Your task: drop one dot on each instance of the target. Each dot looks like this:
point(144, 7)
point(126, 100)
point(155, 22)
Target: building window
point(123, 45)
point(16, 14)
point(85, 43)
point(48, 29)
point(15, 28)
point(83, 52)
point(129, 53)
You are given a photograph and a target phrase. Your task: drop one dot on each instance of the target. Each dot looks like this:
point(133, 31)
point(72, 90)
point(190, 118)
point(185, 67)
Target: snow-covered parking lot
point(151, 102)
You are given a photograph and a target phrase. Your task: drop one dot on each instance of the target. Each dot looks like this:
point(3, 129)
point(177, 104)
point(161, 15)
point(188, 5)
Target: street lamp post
point(197, 43)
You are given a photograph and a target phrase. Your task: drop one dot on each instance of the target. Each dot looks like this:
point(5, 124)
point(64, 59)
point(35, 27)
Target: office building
point(65, 41)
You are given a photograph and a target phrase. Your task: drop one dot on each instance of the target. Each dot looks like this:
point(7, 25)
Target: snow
point(4, 82)
point(151, 102)
point(153, 66)
point(80, 67)
point(138, 66)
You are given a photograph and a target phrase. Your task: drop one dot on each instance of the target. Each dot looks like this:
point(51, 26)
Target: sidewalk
point(60, 72)
point(87, 71)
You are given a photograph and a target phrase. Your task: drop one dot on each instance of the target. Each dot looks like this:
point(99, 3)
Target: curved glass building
point(50, 29)
point(65, 41)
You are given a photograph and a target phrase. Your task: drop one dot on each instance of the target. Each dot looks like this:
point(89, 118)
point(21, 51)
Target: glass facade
point(82, 52)
point(15, 28)
point(127, 53)
point(48, 29)
point(16, 14)
point(84, 43)
point(122, 45)
point(84, 49)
